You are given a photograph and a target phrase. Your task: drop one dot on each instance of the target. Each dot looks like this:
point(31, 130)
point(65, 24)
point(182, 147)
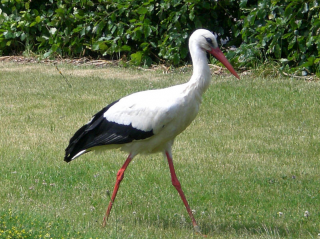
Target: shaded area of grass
point(249, 164)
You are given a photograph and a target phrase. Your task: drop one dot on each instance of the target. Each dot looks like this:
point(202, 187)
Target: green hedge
point(146, 30)
point(284, 30)
point(157, 30)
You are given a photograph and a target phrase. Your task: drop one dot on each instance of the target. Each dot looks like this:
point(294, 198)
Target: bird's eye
point(209, 40)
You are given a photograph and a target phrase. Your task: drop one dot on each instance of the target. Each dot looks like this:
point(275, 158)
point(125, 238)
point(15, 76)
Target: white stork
point(148, 121)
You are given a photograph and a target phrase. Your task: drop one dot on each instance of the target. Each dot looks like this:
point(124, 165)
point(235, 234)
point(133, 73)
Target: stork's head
point(206, 41)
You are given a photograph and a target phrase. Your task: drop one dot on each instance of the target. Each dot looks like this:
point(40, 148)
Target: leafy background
point(153, 31)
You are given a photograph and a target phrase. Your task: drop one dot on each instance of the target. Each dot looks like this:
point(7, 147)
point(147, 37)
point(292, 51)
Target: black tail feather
point(74, 147)
point(99, 131)
point(80, 139)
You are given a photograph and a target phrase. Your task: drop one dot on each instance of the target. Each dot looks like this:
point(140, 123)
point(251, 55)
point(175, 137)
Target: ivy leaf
point(310, 41)
point(38, 19)
point(142, 10)
point(103, 47)
point(145, 46)
point(147, 30)
point(243, 3)
point(176, 58)
point(23, 36)
point(285, 36)
point(47, 54)
point(302, 44)
point(305, 8)
point(284, 60)
point(33, 24)
point(310, 61)
point(8, 35)
point(184, 52)
point(55, 47)
point(288, 11)
point(99, 27)
point(191, 15)
point(136, 58)
point(277, 51)
point(82, 32)
point(96, 46)
point(125, 48)
point(90, 3)
point(292, 43)
point(45, 37)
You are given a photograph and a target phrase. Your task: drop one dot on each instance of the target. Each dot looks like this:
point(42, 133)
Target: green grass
point(252, 152)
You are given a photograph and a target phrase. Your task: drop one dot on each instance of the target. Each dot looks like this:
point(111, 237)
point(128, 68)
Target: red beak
point(217, 53)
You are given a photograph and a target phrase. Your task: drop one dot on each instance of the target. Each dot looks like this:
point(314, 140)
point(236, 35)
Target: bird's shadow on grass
point(212, 229)
point(238, 228)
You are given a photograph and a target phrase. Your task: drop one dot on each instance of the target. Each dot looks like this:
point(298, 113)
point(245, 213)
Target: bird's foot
point(104, 222)
point(198, 231)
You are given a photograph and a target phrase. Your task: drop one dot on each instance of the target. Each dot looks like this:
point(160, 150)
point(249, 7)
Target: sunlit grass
point(249, 164)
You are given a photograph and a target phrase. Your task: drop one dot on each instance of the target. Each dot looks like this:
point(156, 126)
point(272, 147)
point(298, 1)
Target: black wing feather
point(99, 131)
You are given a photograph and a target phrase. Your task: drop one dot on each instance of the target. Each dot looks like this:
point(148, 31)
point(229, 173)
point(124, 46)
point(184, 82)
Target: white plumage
point(149, 121)
point(150, 110)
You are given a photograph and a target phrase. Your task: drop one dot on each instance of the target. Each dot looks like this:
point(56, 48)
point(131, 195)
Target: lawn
point(249, 164)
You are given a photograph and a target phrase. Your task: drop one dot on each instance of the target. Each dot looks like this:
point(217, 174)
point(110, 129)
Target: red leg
point(177, 185)
point(120, 175)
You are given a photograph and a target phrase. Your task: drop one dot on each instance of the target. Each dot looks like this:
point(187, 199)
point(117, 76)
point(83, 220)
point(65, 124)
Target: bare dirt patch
point(106, 66)
point(89, 67)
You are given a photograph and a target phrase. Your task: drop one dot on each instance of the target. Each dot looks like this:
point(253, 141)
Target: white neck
point(201, 76)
